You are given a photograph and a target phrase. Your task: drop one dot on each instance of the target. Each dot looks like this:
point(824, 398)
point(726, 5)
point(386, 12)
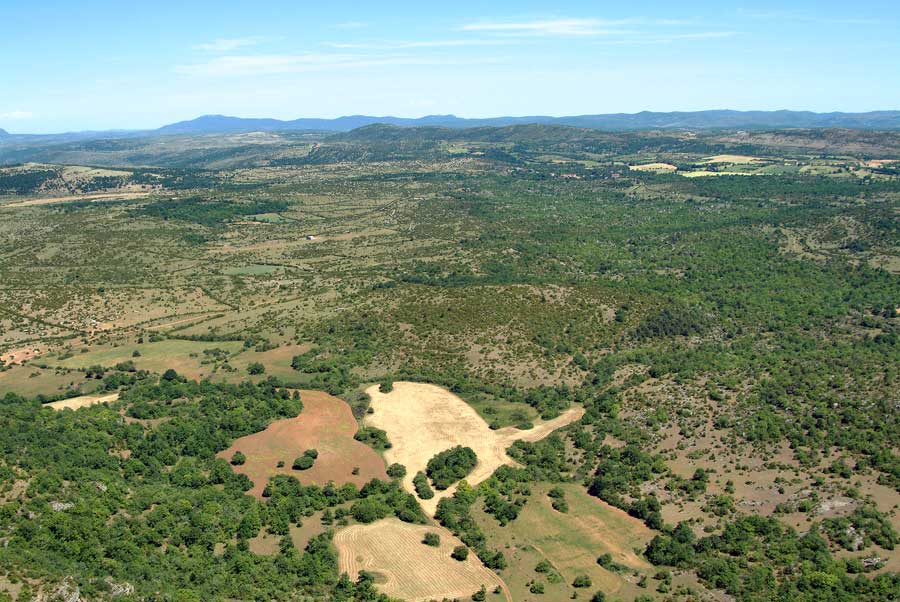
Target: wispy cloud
point(551, 27)
point(228, 44)
point(402, 45)
point(17, 115)
point(272, 64)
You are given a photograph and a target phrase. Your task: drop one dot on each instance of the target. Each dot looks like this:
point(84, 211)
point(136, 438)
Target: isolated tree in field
point(256, 368)
point(237, 458)
point(432, 539)
point(460, 553)
point(303, 463)
point(396, 471)
point(581, 581)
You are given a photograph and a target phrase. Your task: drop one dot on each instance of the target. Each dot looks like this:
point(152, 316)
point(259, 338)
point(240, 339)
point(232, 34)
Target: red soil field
point(325, 424)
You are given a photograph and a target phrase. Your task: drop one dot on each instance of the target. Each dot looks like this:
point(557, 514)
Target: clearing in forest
point(570, 542)
point(74, 403)
point(327, 425)
point(406, 568)
point(662, 167)
point(422, 420)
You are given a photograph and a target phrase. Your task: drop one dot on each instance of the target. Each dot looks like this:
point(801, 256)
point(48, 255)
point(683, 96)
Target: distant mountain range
point(889, 120)
point(645, 120)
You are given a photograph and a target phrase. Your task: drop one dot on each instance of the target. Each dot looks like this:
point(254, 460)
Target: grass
point(570, 542)
point(183, 356)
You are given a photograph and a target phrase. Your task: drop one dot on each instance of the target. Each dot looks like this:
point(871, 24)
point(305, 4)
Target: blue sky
point(92, 64)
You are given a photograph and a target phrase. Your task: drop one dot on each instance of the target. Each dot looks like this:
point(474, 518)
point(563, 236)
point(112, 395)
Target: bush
point(304, 462)
point(256, 368)
point(432, 539)
point(386, 386)
point(582, 581)
point(396, 471)
point(423, 489)
point(460, 553)
point(238, 458)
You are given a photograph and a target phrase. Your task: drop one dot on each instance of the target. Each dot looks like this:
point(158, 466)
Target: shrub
point(582, 581)
point(386, 386)
point(460, 553)
point(432, 539)
point(238, 458)
point(396, 471)
point(423, 489)
point(256, 368)
point(304, 462)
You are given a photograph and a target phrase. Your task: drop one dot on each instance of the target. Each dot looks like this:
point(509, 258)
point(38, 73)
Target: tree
point(451, 465)
point(170, 375)
point(396, 471)
point(432, 539)
point(386, 386)
point(303, 462)
point(256, 368)
point(460, 553)
point(237, 458)
point(582, 581)
point(423, 489)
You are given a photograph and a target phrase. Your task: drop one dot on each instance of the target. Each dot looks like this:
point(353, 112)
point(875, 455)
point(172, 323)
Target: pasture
point(570, 542)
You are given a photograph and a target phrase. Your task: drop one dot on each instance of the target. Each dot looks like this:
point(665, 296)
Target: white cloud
point(551, 27)
point(17, 115)
point(228, 44)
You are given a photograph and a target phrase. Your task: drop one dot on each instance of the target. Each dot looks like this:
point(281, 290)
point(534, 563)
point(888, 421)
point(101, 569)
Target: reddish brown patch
point(325, 424)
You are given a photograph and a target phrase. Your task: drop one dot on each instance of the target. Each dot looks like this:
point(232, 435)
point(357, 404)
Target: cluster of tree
point(451, 465)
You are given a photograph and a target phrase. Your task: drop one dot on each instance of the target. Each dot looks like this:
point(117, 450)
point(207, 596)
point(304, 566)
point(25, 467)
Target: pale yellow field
point(84, 401)
point(737, 159)
point(653, 167)
point(405, 567)
point(422, 420)
point(131, 194)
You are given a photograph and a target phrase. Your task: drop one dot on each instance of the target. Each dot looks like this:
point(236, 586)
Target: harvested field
point(665, 167)
point(422, 420)
point(83, 401)
point(81, 197)
point(325, 424)
point(737, 159)
point(408, 569)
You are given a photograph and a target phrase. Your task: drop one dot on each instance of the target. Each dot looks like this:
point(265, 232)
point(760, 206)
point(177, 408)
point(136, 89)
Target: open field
point(185, 357)
point(659, 167)
point(408, 569)
point(571, 543)
point(422, 420)
point(75, 403)
point(133, 194)
point(326, 424)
